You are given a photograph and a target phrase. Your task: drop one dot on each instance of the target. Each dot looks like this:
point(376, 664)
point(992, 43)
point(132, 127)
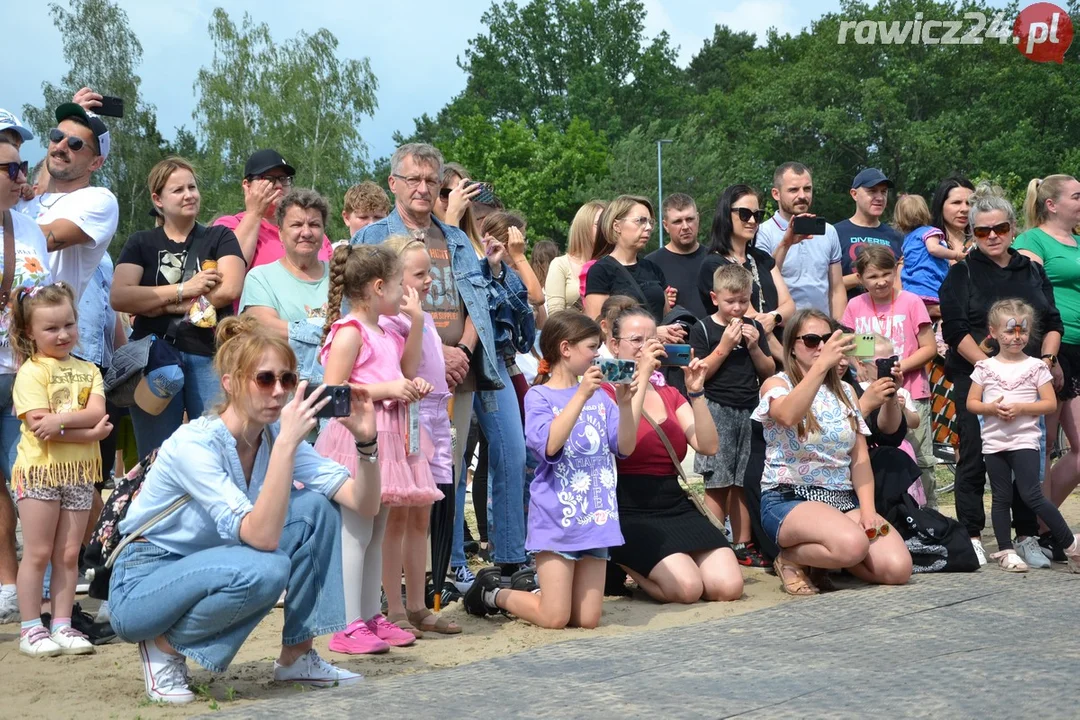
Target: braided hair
point(352, 270)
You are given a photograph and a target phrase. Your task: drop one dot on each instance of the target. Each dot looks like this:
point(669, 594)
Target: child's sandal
point(441, 626)
point(793, 578)
point(1009, 561)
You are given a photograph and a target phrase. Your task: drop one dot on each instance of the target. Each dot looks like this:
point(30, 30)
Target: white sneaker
point(1028, 549)
point(977, 544)
point(310, 669)
point(9, 608)
point(462, 578)
point(166, 675)
point(72, 642)
point(37, 643)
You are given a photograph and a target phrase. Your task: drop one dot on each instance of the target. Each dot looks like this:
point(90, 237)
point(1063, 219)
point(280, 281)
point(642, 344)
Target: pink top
point(899, 321)
point(379, 359)
point(268, 247)
point(1017, 383)
point(432, 363)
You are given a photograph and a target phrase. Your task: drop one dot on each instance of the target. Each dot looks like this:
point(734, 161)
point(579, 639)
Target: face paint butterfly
point(1016, 328)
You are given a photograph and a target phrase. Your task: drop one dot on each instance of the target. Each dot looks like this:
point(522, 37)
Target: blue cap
point(8, 121)
point(869, 178)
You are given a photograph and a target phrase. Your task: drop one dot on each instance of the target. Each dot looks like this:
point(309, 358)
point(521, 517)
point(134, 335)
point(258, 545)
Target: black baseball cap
point(869, 178)
point(264, 160)
point(74, 111)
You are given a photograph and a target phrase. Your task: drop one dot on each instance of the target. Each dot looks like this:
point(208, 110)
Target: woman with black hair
point(949, 209)
point(734, 230)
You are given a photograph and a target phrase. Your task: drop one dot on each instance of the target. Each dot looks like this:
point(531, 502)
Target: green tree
point(110, 69)
point(297, 97)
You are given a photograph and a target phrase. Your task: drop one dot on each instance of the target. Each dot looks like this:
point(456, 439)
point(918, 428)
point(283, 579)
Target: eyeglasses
point(746, 213)
point(635, 340)
point(876, 532)
point(282, 180)
point(266, 380)
point(639, 221)
point(57, 136)
point(413, 181)
point(14, 169)
point(811, 341)
point(983, 231)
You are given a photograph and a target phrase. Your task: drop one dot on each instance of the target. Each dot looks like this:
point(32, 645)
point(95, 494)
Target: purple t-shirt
point(573, 505)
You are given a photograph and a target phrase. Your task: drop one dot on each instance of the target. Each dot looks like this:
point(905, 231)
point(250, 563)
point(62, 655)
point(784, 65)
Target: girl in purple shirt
point(576, 431)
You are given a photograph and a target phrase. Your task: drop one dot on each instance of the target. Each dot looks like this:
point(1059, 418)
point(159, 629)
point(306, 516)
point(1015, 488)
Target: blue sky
point(176, 45)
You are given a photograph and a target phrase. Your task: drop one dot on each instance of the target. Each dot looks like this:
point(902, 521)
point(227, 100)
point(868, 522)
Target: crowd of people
point(807, 365)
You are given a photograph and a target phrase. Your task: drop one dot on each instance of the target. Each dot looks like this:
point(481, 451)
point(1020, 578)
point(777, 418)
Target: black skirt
point(657, 520)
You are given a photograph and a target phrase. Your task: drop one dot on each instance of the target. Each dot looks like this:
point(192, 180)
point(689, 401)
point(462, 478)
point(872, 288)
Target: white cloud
point(757, 16)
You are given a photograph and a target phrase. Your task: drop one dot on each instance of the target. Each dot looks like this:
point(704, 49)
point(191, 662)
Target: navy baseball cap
point(869, 178)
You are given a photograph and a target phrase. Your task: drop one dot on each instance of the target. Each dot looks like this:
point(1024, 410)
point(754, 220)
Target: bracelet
point(61, 424)
point(695, 396)
point(180, 292)
point(362, 445)
point(465, 349)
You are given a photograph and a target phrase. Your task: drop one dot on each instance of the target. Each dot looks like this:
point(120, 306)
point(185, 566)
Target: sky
point(176, 44)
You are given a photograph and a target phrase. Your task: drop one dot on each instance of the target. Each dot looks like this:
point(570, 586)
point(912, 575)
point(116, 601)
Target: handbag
point(695, 498)
point(7, 380)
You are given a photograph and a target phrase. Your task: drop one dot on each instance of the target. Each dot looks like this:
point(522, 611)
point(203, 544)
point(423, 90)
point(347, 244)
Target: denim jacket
point(200, 460)
point(485, 299)
point(97, 320)
point(305, 338)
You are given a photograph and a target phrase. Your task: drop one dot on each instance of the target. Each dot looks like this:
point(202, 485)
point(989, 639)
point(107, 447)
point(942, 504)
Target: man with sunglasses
point(77, 219)
point(267, 178)
point(870, 191)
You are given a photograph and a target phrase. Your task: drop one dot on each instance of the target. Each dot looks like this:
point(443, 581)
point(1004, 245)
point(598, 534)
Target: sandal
point(821, 578)
point(441, 626)
point(1009, 561)
point(402, 621)
point(793, 578)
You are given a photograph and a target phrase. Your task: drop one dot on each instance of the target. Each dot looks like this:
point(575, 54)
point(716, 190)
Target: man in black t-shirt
point(870, 191)
point(681, 259)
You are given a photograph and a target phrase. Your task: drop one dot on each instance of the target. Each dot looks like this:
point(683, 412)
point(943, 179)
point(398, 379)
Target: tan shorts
point(71, 497)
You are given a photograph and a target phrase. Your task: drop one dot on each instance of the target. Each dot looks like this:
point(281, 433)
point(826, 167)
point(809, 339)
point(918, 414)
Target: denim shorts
point(777, 503)
point(575, 555)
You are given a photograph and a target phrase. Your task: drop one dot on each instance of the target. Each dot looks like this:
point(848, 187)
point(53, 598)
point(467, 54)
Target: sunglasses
point(746, 213)
point(811, 341)
point(57, 136)
point(14, 169)
point(983, 231)
point(266, 380)
point(874, 533)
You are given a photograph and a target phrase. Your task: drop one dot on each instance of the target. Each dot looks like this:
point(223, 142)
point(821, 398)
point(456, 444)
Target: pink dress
point(406, 479)
point(435, 442)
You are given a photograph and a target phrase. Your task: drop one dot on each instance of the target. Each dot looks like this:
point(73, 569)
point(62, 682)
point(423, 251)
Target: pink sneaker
point(357, 639)
point(389, 632)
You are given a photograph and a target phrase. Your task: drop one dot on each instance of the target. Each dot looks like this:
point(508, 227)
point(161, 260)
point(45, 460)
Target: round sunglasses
point(15, 169)
point(266, 380)
point(57, 136)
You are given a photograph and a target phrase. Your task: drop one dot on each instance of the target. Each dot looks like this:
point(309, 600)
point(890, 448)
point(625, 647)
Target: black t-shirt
point(735, 383)
point(681, 272)
point(642, 281)
point(852, 239)
point(163, 263)
point(763, 295)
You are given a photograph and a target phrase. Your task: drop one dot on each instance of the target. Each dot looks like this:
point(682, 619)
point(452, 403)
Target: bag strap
point(9, 259)
point(186, 273)
point(683, 480)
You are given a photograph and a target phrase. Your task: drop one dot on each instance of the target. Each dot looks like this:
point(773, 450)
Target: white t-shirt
point(95, 211)
point(31, 268)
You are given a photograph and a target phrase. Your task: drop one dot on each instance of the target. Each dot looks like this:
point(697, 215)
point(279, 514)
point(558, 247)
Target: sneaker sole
point(78, 651)
point(44, 654)
point(344, 650)
point(321, 683)
point(177, 699)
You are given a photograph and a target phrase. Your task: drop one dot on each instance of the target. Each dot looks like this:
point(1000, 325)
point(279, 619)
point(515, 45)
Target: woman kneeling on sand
point(198, 582)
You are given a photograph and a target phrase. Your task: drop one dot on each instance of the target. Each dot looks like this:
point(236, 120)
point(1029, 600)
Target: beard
point(67, 172)
point(792, 209)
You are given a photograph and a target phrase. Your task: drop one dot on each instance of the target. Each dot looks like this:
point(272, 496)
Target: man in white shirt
point(78, 220)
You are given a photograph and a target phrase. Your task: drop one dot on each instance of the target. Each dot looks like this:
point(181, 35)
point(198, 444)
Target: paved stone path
point(986, 645)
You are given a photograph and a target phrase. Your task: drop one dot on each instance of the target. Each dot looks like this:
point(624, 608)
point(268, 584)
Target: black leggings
point(1016, 472)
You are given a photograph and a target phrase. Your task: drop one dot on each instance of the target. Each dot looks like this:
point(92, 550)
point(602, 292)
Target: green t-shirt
point(293, 299)
point(1062, 265)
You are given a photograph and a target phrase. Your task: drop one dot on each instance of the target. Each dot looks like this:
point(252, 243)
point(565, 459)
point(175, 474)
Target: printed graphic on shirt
point(316, 315)
point(443, 301)
point(586, 478)
point(171, 266)
point(886, 325)
point(29, 271)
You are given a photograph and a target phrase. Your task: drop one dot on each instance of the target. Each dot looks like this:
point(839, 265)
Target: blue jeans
point(201, 388)
point(10, 432)
point(207, 603)
point(500, 419)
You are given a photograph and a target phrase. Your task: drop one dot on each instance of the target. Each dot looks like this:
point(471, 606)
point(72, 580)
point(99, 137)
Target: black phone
point(111, 106)
point(486, 196)
point(885, 366)
point(809, 225)
point(677, 355)
point(340, 404)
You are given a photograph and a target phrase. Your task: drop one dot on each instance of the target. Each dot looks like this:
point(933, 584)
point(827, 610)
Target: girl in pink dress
point(356, 350)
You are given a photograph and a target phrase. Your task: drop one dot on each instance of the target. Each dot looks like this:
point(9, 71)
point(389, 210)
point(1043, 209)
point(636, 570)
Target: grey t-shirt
point(806, 266)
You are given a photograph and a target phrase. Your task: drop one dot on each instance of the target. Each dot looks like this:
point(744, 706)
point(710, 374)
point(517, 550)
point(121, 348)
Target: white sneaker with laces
point(1028, 549)
point(310, 669)
point(9, 608)
point(463, 579)
point(37, 643)
point(72, 642)
point(979, 551)
point(166, 675)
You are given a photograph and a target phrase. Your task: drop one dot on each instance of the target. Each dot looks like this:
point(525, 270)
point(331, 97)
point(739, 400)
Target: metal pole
point(660, 190)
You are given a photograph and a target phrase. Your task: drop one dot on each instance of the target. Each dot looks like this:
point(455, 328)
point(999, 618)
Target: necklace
point(886, 316)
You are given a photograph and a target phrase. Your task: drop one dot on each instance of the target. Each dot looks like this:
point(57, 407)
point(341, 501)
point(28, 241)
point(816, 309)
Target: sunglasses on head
point(57, 136)
point(746, 213)
point(14, 169)
point(266, 380)
point(874, 533)
point(983, 231)
point(811, 340)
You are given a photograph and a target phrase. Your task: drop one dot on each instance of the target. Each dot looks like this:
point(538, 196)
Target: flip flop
point(441, 626)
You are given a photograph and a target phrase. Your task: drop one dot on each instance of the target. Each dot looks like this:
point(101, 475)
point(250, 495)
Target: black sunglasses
point(14, 169)
point(811, 341)
point(57, 136)
point(746, 213)
point(266, 380)
point(983, 231)
point(445, 193)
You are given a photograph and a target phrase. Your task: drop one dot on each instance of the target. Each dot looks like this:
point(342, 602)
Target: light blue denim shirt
point(200, 460)
point(97, 319)
point(481, 294)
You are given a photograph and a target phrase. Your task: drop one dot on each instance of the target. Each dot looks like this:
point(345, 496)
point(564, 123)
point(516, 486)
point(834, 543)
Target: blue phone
point(677, 355)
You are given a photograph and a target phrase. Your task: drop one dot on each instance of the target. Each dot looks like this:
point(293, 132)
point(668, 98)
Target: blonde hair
point(402, 244)
point(241, 343)
point(616, 210)
point(732, 278)
point(614, 306)
point(22, 313)
point(582, 238)
point(1007, 308)
point(809, 423)
point(352, 269)
point(911, 212)
point(883, 346)
point(1039, 190)
point(366, 198)
point(163, 170)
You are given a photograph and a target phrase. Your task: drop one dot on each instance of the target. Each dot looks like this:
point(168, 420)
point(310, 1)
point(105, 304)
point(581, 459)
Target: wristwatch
point(1051, 357)
point(779, 318)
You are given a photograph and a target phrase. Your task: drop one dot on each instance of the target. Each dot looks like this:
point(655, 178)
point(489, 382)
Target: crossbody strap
point(9, 259)
point(188, 271)
point(698, 500)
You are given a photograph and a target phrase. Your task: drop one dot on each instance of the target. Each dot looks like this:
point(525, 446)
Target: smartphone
point(486, 196)
point(340, 404)
point(864, 346)
point(811, 225)
point(111, 106)
point(885, 366)
point(677, 355)
point(615, 371)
